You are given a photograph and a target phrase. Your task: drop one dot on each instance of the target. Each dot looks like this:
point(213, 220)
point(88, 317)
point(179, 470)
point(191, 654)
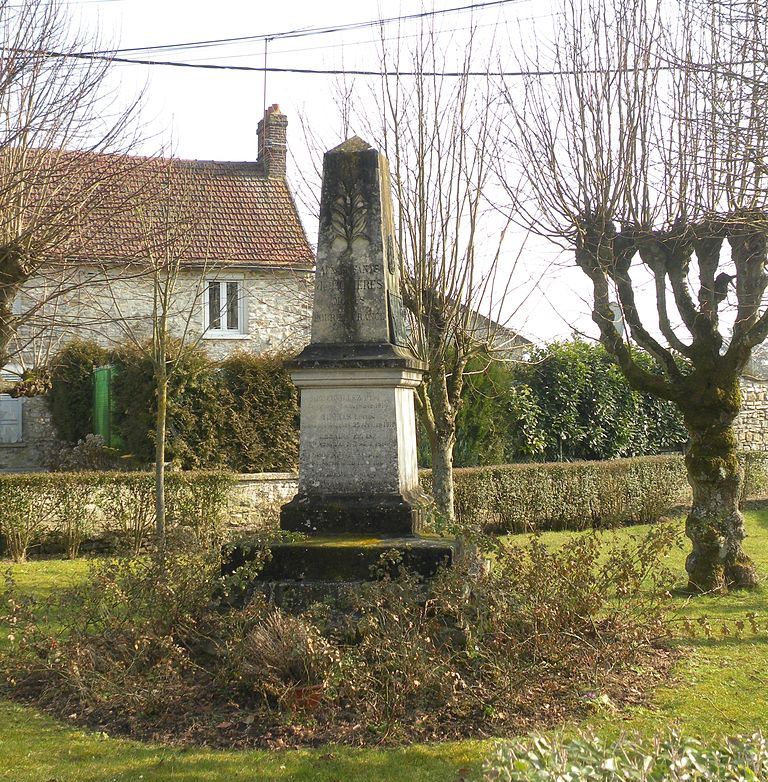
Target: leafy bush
point(262, 431)
point(28, 504)
point(128, 508)
point(499, 418)
point(755, 483)
point(71, 394)
point(75, 512)
point(196, 415)
point(194, 500)
point(241, 414)
point(72, 506)
point(568, 402)
point(580, 495)
point(146, 648)
point(198, 501)
point(670, 757)
point(587, 410)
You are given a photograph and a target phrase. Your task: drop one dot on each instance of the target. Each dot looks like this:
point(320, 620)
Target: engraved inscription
point(349, 440)
point(338, 284)
point(338, 317)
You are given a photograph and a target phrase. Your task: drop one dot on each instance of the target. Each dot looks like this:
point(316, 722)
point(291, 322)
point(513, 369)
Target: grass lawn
point(719, 688)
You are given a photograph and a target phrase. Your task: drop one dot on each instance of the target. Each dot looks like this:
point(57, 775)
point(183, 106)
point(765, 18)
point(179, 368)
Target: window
point(223, 308)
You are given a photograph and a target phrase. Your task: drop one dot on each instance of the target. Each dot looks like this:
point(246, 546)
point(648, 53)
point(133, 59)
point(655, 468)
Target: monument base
point(382, 514)
point(327, 567)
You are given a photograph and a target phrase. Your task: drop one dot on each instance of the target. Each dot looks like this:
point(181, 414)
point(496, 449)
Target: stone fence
point(256, 498)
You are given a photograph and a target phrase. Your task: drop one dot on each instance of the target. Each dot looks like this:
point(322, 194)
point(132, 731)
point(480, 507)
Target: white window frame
point(241, 332)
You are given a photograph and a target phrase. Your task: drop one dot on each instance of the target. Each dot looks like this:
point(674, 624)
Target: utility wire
point(345, 71)
point(306, 31)
point(350, 44)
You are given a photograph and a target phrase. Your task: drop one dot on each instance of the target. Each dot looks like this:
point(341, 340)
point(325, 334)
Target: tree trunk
point(442, 477)
point(7, 330)
point(715, 526)
point(162, 410)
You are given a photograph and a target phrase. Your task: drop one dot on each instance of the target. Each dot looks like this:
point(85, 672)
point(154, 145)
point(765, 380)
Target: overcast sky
point(207, 114)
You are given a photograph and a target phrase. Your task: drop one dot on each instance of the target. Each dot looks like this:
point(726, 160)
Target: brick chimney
point(272, 142)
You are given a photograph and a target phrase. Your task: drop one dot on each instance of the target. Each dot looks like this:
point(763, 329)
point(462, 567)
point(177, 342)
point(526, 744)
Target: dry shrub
point(148, 647)
point(279, 653)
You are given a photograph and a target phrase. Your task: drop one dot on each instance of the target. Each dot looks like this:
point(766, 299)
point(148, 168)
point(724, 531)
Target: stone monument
point(359, 493)
point(357, 461)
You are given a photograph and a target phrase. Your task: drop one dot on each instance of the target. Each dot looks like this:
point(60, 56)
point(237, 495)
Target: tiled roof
point(230, 212)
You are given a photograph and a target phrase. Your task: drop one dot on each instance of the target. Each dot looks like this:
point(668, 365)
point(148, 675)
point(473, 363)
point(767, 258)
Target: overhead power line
point(348, 71)
point(306, 31)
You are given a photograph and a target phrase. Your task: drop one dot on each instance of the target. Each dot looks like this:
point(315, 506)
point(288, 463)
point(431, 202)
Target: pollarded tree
point(645, 154)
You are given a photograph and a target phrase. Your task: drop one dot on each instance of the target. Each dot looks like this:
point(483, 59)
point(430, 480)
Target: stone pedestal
point(358, 471)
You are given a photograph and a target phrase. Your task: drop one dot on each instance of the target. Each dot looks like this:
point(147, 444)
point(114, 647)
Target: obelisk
point(357, 461)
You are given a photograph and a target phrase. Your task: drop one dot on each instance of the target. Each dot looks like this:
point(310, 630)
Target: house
point(244, 281)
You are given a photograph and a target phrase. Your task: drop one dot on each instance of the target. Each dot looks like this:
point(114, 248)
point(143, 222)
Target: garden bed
point(143, 649)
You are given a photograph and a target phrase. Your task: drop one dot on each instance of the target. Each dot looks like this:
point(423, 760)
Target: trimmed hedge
point(581, 495)
point(71, 507)
point(71, 396)
point(240, 414)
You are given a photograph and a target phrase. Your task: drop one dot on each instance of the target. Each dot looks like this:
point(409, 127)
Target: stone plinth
point(358, 469)
point(337, 558)
point(332, 568)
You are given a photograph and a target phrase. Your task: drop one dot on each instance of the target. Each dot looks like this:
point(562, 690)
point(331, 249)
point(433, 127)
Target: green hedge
point(240, 414)
point(262, 434)
point(568, 402)
point(580, 495)
point(71, 396)
point(72, 507)
point(197, 407)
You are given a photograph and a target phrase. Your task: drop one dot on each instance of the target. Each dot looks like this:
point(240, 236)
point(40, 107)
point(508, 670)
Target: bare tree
point(56, 120)
point(172, 226)
point(642, 147)
point(440, 134)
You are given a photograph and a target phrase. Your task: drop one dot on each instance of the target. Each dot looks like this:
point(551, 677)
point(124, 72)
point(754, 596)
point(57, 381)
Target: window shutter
point(102, 407)
point(10, 420)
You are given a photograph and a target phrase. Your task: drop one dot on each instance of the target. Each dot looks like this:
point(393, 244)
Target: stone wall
point(257, 498)
point(38, 436)
point(752, 423)
point(109, 305)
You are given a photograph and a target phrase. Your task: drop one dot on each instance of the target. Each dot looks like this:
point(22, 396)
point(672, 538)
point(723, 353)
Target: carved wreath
point(349, 214)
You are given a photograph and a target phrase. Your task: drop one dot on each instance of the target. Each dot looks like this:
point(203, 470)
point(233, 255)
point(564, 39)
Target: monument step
point(342, 558)
point(362, 514)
